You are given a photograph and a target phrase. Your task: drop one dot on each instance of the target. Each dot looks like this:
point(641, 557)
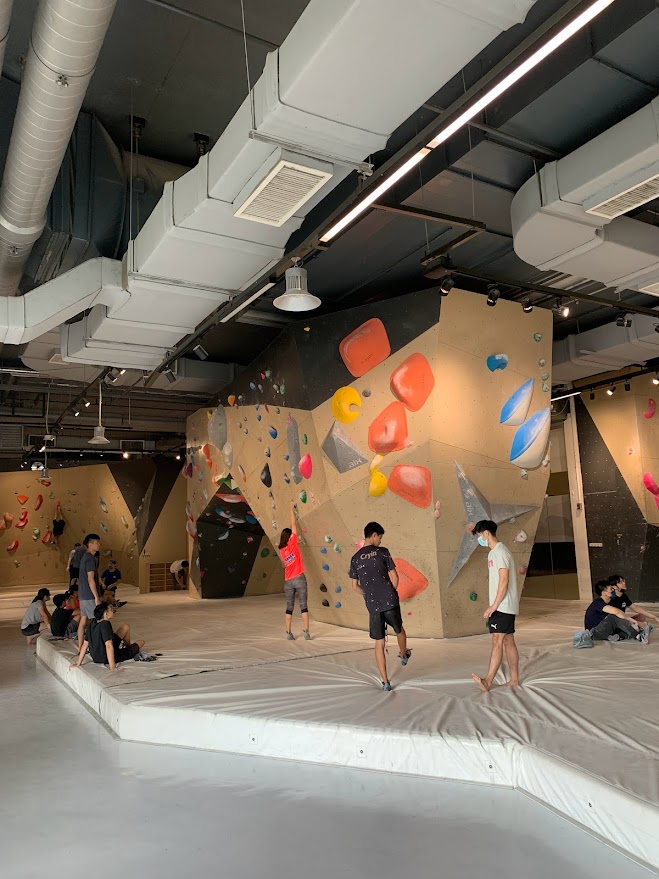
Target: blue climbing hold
point(497, 361)
point(325, 567)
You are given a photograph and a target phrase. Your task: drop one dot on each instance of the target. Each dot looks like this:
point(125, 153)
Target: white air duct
point(562, 216)
point(5, 21)
point(66, 39)
point(327, 99)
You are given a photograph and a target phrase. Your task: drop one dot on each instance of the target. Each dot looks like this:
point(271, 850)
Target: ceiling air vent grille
point(279, 195)
point(132, 445)
point(628, 200)
point(11, 437)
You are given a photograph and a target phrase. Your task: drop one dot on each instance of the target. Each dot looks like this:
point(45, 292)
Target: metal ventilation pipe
point(5, 19)
point(66, 40)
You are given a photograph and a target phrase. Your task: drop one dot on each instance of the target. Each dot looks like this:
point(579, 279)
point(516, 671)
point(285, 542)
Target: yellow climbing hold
point(343, 402)
point(378, 484)
point(375, 463)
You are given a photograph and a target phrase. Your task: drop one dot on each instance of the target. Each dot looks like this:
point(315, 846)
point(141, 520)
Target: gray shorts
point(296, 586)
point(87, 606)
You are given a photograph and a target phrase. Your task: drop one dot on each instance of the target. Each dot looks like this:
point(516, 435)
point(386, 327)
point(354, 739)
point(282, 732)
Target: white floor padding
point(581, 735)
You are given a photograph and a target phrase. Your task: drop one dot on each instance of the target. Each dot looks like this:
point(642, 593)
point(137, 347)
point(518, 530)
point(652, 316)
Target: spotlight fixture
point(76, 413)
point(592, 395)
point(112, 376)
point(122, 372)
point(624, 320)
point(493, 294)
point(628, 387)
point(611, 391)
point(43, 448)
point(655, 380)
point(446, 285)
point(527, 308)
point(170, 375)
point(86, 404)
point(125, 455)
point(297, 296)
point(200, 351)
point(178, 457)
point(560, 309)
point(476, 107)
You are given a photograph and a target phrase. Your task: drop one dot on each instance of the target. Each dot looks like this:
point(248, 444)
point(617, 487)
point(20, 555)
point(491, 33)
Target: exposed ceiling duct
point(5, 21)
point(66, 39)
point(312, 117)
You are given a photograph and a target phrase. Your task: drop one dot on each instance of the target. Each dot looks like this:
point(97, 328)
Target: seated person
point(621, 599)
point(105, 646)
point(604, 621)
point(110, 579)
point(64, 621)
point(179, 572)
point(36, 618)
point(72, 600)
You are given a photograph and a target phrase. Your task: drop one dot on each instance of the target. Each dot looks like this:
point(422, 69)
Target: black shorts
point(122, 654)
point(377, 621)
point(74, 573)
point(501, 623)
point(32, 629)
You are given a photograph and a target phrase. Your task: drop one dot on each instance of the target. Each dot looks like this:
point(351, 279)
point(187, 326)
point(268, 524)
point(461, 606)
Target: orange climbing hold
point(231, 399)
point(388, 432)
point(8, 518)
point(46, 537)
point(21, 523)
point(13, 546)
point(22, 499)
point(412, 483)
point(412, 382)
point(411, 582)
point(38, 502)
point(365, 347)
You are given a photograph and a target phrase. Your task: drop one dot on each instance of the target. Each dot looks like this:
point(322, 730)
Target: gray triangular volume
point(341, 450)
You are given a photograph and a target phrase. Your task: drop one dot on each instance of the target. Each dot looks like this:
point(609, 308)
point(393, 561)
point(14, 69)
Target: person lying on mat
point(374, 576)
point(64, 621)
point(604, 621)
point(36, 618)
point(105, 645)
point(621, 599)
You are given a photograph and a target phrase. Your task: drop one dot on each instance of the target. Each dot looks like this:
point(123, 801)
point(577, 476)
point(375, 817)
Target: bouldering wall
point(422, 421)
point(90, 501)
point(166, 539)
point(619, 449)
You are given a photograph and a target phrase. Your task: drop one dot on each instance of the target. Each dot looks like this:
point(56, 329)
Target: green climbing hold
point(473, 596)
point(545, 376)
point(265, 553)
point(537, 337)
point(545, 387)
point(303, 497)
point(305, 439)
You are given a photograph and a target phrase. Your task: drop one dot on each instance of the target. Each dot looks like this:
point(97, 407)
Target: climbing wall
point(393, 412)
point(90, 502)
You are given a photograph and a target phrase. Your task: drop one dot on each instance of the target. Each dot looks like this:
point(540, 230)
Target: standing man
point(504, 605)
point(89, 592)
point(374, 577)
point(179, 572)
point(73, 564)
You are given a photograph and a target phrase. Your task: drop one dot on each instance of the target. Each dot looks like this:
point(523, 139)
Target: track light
point(178, 457)
point(111, 377)
point(471, 112)
point(170, 375)
point(122, 372)
point(628, 387)
point(655, 380)
point(200, 351)
point(86, 404)
point(592, 395)
point(493, 294)
point(76, 413)
point(527, 308)
point(560, 309)
point(624, 320)
point(611, 391)
point(446, 285)
point(125, 455)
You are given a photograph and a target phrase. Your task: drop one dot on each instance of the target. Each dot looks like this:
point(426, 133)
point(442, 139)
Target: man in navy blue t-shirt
point(603, 620)
point(374, 576)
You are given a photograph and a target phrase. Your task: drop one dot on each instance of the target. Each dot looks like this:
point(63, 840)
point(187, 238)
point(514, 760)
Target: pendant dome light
point(99, 438)
point(297, 296)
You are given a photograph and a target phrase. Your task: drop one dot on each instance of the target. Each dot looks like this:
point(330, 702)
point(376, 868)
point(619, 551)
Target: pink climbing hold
point(652, 408)
point(306, 466)
point(650, 484)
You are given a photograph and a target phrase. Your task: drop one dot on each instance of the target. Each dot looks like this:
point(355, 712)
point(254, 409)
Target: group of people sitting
point(85, 611)
point(606, 618)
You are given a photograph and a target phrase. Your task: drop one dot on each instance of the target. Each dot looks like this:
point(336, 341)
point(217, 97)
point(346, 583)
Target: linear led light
point(495, 92)
point(565, 396)
point(248, 301)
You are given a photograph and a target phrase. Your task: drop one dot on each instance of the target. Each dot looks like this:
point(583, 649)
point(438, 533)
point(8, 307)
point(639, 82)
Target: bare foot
point(513, 684)
point(482, 683)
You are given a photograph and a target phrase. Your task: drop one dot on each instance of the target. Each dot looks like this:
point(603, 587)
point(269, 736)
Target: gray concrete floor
point(73, 798)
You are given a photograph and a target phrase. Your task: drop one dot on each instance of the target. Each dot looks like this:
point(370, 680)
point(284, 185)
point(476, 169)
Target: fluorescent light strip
point(248, 301)
point(495, 92)
point(566, 396)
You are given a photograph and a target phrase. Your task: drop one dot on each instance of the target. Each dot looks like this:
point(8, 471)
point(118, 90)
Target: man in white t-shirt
point(504, 605)
point(179, 572)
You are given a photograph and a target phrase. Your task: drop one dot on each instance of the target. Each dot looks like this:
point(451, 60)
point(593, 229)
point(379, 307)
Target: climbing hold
point(412, 483)
point(306, 466)
point(303, 497)
point(326, 567)
point(231, 400)
point(36, 533)
point(411, 581)
point(305, 439)
point(104, 506)
point(267, 451)
point(542, 362)
point(266, 476)
point(516, 408)
point(537, 337)
point(45, 482)
point(38, 502)
point(375, 463)
point(328, 538)
point(345, 405)
point(273, 432)
point(21, 523)
point(252, 386)
point(497, 361)
point(473, 596)
point(338, 589)
point(545, 387)
point(8, 518)
point(323, 550)
point(338, 604)
point(412, 382)
point(366, 393)
point(377, 484)
point(388, 432)
point(523, 474)
point(22, 499)
point(648, 482)
point(13, 546)
point(337, 548)
point(522, 571)
point(652, 408)
point(545, 376)
point(365, 347)
point(530, 441)
point(258, 417)
point(325, 602)
point(521, 537)
point(124, 522)
point(104, 528)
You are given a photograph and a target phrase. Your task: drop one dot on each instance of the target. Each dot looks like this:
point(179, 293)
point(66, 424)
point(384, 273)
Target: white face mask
point(482, 541)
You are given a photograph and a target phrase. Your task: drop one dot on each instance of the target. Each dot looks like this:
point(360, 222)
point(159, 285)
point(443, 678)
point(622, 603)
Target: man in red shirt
point(295, 581)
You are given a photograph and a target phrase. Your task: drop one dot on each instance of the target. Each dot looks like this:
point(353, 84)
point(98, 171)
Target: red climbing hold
point(412, 382)
point(13, 546)
point(388, 432)
point(412, 483)
point(411, 582)
point(38, 502)
point(22, 499)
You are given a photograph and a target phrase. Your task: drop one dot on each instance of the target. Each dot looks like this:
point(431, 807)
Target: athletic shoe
point(644, 636)
point(307, 636)
point(121, 603)
point(405, 658)
point(386, 686)
point(290, 636)
point(144, 657)
point(613, 638)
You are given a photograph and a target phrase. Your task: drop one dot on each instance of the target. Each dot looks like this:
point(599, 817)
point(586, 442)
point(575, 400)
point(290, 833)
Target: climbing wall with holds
point(421, 420)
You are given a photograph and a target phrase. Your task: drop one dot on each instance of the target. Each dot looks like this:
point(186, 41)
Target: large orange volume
point(388, 432)
point(412, 382)
point(412, 483)
point(365, 347)
point(410, 581)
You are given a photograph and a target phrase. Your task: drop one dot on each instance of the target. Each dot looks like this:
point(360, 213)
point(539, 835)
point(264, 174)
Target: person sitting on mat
point(295, 581)
point(72, 601)
point(111, 578)
point(105, 645)
point(605, 622)
point(36, 618)
point(621, 599)
point(64, 621)
point(374, 576)
point(503, 608)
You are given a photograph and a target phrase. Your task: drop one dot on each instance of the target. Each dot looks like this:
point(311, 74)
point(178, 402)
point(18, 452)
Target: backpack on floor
point(582, 639)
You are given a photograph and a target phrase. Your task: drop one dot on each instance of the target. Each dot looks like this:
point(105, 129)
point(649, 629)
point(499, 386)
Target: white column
point(577, 504)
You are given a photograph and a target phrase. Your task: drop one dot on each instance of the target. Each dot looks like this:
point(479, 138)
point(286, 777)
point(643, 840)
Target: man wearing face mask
point(504, 605)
